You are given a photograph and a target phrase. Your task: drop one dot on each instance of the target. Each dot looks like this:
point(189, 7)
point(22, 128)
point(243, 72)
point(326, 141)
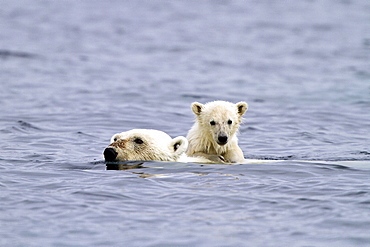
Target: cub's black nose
point(222, 140)
point(110, 154)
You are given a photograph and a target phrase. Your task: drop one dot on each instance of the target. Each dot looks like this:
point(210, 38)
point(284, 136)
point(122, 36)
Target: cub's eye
point(138, 141)
point(212, 122)
point(229, 122)
point(115, 139)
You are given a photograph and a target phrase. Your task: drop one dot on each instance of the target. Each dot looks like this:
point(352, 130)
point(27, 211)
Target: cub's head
point(144, 145)
point(219, 120)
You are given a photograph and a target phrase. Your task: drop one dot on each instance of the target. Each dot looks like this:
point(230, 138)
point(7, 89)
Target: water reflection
point(124, 165)
point(130, 166)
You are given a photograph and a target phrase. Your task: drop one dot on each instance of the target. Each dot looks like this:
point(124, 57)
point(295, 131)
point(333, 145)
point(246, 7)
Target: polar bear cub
point(213, 134)
point(148, 144)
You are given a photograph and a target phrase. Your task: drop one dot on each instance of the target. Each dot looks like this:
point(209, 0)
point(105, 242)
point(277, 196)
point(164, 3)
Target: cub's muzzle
point(222, 139)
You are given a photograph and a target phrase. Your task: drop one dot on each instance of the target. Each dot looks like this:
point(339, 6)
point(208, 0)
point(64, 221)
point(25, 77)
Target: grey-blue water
point(73, 73)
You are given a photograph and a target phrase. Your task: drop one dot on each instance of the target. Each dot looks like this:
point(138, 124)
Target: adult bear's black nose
point(222, 139)
point(110, 154)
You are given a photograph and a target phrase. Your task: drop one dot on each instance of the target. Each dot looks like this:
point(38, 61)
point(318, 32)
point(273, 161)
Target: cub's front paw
point(222, 159)
point(217, 158)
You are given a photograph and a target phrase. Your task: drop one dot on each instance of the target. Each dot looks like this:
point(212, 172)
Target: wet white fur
point(157, 146)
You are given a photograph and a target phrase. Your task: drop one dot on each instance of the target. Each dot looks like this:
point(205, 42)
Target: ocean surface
point(73, 73)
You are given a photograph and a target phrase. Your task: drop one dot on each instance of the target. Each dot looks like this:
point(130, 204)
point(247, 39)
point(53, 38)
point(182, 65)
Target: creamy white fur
point(156, 145)
point(215, 119)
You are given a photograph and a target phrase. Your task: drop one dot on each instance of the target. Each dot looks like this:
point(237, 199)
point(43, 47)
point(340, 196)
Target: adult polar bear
point(213, 135)
point(148, 144)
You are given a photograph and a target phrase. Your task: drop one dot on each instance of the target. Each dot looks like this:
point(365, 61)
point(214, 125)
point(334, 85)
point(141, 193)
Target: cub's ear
point(197, 108)
point(242, 107)
point(179, 145)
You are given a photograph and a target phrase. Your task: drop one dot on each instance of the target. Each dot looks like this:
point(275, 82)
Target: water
point(73, 73)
